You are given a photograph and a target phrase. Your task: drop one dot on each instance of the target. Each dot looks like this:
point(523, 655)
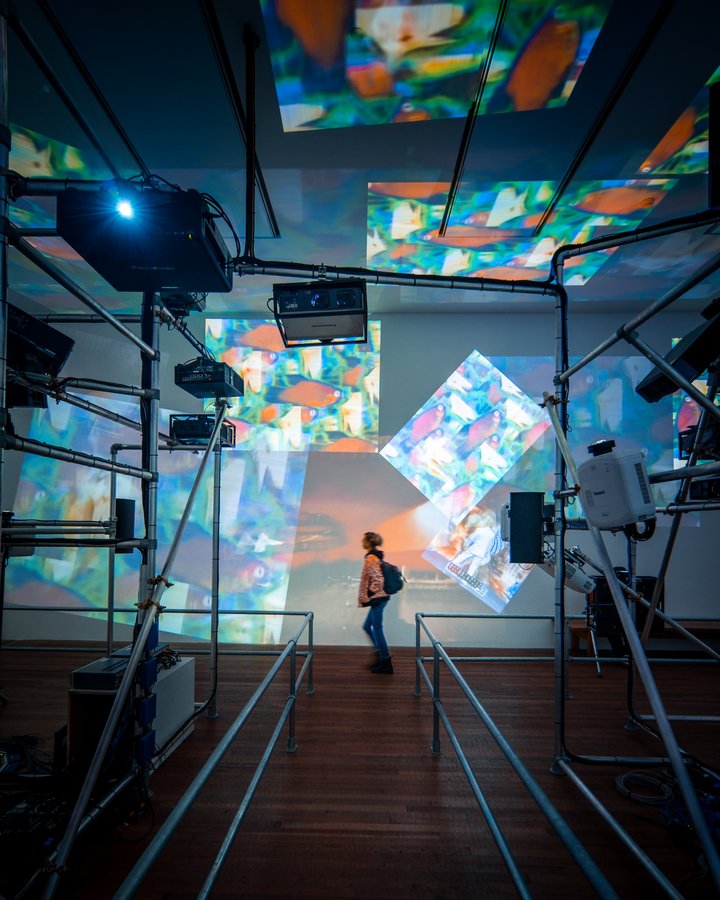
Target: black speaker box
point(607, 621)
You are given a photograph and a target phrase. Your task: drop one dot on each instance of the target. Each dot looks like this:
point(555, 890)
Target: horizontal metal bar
point(59, 394)
point(27, 445)
point(711, 468)
point(377, 276)
point(682, 718)
point(95, 384)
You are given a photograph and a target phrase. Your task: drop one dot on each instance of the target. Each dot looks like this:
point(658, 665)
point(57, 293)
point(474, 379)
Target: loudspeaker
point(125, 526)
point(602, 606)
point(526, 526)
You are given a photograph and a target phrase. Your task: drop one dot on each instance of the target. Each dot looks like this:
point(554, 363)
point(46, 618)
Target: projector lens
point(318, 301)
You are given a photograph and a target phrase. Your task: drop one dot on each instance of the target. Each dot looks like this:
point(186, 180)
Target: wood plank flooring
point(363, 808)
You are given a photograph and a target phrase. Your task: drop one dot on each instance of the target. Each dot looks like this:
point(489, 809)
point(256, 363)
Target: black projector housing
point(331, 311)
point(170, 244)
point(206, 378)
point(188, 429)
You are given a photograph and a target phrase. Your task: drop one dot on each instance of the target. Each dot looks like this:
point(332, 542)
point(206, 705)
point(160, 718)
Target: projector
point(159, 240)
point(614, 487)
point(198, 429)
point(205, 378)
point(321, 311)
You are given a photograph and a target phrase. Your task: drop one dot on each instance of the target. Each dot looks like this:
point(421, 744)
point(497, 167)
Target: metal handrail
point(589, 868)
point(139, 871)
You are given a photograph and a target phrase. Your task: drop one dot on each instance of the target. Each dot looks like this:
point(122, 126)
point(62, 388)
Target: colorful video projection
point(261, 491)
point(495, 439)
point(683, 149)
point(315, 397)
point(490, 231)
point(349, 63)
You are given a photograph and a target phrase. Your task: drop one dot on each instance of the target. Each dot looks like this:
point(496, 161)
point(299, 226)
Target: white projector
point(614, 487)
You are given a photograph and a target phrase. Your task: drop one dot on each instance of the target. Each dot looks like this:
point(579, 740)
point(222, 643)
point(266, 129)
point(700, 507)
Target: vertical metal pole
point(436, 699)
point(292, 744)
point(311, 650)
point(150, 378)
point(417, 690)
point(215, 598)
point(111, 558)
point(251, 42)
point(561, 396)
point(667, 735)
point(680, 497)
point(4, 159)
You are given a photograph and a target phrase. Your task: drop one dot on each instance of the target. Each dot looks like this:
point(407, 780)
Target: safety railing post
point(292, 743)
point(311, 656)
point(436, 699)
point(417, 692)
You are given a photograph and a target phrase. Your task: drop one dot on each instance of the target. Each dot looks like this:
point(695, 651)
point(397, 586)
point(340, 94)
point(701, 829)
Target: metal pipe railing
point(141, 868)
point(641, 663)
point(568, 838)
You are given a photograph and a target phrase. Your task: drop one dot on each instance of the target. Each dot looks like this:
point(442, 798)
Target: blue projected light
point(125, 209)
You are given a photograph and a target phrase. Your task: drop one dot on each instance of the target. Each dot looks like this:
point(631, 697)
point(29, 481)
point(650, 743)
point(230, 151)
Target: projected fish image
point(300, 398)
point(358, 63)
point(491, 226)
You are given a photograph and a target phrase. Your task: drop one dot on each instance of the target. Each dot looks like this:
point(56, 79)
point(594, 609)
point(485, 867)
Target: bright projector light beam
point(125, 209)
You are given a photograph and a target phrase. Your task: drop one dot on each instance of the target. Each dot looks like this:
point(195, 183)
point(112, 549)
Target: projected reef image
point(481, 436)
point(315, 397)
point(491, 225)
point(360, 63)
point(261, 491)
point(683, 149)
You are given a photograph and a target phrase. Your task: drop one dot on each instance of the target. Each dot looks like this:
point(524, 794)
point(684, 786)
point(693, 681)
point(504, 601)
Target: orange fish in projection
point(372, 80)
point(409, 190)
point(511, 273)
point(269, 413)
point(410, 113)
point(320, 26)
point(352, 376)
point(467, 236)
point(543, 64)
point(302, 392)
point(620, 201)
point(264, 337)
point(350, 445)
point(680, 133)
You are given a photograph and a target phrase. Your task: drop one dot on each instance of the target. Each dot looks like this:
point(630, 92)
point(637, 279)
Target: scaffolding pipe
point(215, 589)
point(675, 376)
point(680, 498)
point(670, 297)
point(93, 384)
point(141, 868)
point(712, 468)
point(27, 445)
point(153, 609)
point(44, 264)
point(617, 828)
point(640, 659)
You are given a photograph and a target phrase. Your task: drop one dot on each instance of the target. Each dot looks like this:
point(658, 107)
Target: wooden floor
point(363, 808)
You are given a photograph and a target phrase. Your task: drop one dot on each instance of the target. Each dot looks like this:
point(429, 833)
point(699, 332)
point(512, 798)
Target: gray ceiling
point(154, 64)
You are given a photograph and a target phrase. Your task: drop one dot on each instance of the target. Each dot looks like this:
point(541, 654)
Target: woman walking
point(372, 593)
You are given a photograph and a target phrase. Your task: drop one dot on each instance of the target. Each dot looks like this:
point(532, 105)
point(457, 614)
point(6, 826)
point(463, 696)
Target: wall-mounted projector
point(146, 239)
point(207, 378)
point(614, 487)
point(321, 312)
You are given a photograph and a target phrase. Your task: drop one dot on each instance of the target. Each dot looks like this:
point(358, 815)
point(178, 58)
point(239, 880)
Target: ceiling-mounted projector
point(321, 312)
point(146, 239)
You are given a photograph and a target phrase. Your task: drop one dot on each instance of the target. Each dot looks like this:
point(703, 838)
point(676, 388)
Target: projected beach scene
point(299, 398)
point(491, 225)
point(357, 63)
